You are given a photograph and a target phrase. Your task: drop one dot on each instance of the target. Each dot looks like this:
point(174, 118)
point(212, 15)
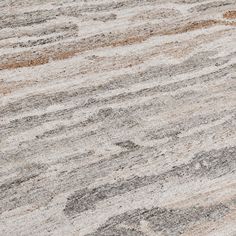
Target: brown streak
point(54, 55)
point(7, 88)
point(230, 14)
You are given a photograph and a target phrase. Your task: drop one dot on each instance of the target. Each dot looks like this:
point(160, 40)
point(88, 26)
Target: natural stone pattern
point(117, 118)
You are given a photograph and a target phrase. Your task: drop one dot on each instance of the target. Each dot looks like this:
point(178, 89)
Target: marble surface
point(117, 118)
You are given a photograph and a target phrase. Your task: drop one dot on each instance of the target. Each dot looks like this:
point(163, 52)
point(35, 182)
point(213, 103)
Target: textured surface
point(117, 117)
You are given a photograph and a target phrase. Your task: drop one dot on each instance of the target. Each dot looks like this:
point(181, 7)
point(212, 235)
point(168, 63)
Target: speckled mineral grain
point(117, 118)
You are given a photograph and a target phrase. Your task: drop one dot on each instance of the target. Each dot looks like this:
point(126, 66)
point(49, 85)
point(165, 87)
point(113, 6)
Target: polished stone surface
point(117, 118)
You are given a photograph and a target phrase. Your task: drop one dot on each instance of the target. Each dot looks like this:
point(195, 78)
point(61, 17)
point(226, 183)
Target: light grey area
point(117, 118)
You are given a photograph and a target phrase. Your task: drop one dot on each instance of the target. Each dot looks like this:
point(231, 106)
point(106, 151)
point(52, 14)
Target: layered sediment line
point(117, 117)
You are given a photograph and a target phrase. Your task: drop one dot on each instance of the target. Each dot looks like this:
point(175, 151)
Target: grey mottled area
point(117, 118)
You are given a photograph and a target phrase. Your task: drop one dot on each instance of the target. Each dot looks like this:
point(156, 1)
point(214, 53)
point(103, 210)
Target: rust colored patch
point(28, 62)
point(230, 15)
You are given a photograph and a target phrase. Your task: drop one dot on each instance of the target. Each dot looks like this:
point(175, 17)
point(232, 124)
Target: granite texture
point(117, 118)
